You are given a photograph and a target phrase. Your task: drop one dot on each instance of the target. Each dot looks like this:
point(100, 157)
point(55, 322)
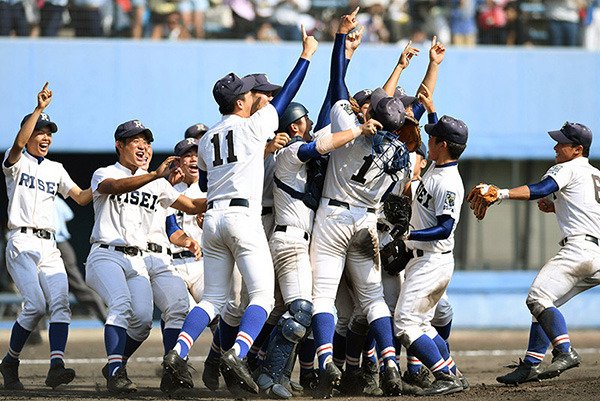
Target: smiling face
point(566, 152)
point(39, 142)
point(134, 151)
point(188, 162)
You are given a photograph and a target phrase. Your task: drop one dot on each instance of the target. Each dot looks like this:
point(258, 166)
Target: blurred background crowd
point(459, 22)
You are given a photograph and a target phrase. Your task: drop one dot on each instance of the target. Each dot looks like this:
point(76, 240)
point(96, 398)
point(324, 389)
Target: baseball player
point(196, 131)
point(344, 235)
point(126, 197)
point(231, 154)
point(32, 258)
point(571, 190)
point(435, 213)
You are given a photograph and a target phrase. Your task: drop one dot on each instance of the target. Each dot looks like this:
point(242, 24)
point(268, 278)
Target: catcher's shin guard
point(274, 376)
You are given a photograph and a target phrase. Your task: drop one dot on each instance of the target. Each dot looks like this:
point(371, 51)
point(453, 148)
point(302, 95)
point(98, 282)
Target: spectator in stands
point(13, 19)
point(287, 17)
point(563, 21)
point(371, 16)
point(398, 20)
point(491, 22)
point(591, 36)
point(51, 17)
point(169, 26)
point(462, 22)
point(244, 18)
point(86, 17)
point(85, 296)
point(137, 15)
point(192, 16)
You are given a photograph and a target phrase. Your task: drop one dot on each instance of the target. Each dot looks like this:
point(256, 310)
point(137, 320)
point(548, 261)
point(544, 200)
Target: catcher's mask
point(389, 153)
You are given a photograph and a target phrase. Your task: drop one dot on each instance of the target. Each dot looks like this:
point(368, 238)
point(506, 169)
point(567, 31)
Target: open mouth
point(44, 146)
point(194, 168)
point(141, 156)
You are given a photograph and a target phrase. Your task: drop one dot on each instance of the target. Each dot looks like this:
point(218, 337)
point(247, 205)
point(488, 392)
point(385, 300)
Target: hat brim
point(408, 100)
point(266, 87)
point(186, 149)
point(42, 124)
point(146, 131)
point(248, 84)
point(559, 137)
point(429, 128)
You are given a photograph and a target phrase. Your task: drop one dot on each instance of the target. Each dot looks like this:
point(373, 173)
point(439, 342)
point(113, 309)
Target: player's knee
point(34, 309)
point(264, 301)
point(376, 310)
point(175, 313)
point(301, 311)
point(536, 307)
point(359, 325)
point(323, 305)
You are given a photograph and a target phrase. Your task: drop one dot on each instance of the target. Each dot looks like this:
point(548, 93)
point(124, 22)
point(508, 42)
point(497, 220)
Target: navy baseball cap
point(230, 86)
point(43, 120)
point(362, 96)
point(399, 92)
point(388, 110)
point(262, 83)
point(573, 133)
point(195, 130)
point(184, 146)
point(406, 100)
point(422, 150)
point(131, 128)
point(449, 128)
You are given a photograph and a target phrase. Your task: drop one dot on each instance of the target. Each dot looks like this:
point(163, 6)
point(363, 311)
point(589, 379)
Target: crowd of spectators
point(459, 22)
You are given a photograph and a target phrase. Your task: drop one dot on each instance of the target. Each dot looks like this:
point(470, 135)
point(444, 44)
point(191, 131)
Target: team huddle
point(331, 245)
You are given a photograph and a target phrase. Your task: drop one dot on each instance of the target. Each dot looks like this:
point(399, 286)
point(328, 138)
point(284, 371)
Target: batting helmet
point(294, 112)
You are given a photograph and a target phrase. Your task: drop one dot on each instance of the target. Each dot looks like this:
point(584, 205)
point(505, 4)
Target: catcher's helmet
point(389, 153)
point(293, 112)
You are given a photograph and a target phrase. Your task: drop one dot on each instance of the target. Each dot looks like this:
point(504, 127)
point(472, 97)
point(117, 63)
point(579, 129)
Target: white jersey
point(440, 192)
point(232, 154)
point(404, 179)
point(125, 220)
point(292, 172)
point(352, 176)
point(158, 227)
point(31, 187)
point(187, 222)
point(577, 202)
point(268, 184)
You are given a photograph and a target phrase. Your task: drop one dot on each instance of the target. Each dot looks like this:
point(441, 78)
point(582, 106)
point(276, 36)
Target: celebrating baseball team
point(328, 242)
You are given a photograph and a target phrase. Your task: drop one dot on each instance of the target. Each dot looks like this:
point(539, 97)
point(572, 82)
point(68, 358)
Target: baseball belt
point(233, 202)
point(152, 247)
point(589, 238)
point(183, 255)
point(43, 234)
point(417, 253)
point(127, 250)
point(333, 202)
point(285, 228)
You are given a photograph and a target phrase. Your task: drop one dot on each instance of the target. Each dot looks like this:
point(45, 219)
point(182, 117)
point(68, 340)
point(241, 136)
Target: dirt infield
point(481, 355)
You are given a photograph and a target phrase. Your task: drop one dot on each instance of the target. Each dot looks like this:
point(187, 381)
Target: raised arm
point(436, 56)
point(120, 186)
point(43, 100)
point(339, 90)
point(390, 85)
point(296, 77)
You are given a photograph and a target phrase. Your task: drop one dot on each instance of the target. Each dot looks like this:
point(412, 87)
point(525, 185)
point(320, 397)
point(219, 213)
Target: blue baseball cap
point(195, 130)
point(399, 92)
point(388, 110)
point(449, 128)
point(230, 86)
point(131, 128)
point(575, 133)
point(362, 96)
point(262, 83)
point(43, 121)
point(184, 146)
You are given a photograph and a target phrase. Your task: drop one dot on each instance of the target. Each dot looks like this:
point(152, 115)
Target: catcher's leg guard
point(281, 353)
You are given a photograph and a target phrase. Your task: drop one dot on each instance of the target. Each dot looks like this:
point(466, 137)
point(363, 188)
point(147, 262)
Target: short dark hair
point(454, 149)
point(586, 149)
point(230, 108)
point(288, 129)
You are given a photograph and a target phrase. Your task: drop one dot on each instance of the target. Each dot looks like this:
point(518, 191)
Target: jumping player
point(232, 154)
point(32, 258)
point(571, 190)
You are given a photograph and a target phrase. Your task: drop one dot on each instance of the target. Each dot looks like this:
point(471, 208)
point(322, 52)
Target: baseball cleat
point(234, 369)
point(178, 369)
point(58, 374)
point(210, 375)
point(464, 382)
point(370, 371)
point(168, 384)
point(119, 383)
point(10, 372)
point(443, 384)
point(309, 382)
point(391, 382)
point(523, 373)
point(560, 362)
point(419, 379)
point(328, 380)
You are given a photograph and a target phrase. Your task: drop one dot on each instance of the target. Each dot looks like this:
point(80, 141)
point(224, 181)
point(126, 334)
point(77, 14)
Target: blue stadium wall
point(509, 97)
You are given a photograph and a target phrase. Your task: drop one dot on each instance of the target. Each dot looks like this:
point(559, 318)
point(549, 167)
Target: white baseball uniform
point(345, 236)
point(428, 273)
point(576, 267)
point(124, 221)
point(232, 154)
point(34, 262)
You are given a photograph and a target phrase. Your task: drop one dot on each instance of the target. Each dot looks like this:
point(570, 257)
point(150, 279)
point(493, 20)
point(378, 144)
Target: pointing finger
point(304, 35)
point(355, 12)
point(433, 41)
point(45, 86)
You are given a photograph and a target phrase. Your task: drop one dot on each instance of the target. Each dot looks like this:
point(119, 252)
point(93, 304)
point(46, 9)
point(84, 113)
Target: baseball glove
point(410, 134)
point(397, 212)
point(394, 257)
point(481, 197)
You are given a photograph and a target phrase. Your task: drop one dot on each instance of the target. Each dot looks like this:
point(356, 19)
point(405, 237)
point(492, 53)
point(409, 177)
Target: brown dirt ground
point(579, 383)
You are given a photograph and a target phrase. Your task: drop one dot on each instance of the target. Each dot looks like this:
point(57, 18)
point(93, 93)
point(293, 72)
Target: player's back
point(232, 154)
